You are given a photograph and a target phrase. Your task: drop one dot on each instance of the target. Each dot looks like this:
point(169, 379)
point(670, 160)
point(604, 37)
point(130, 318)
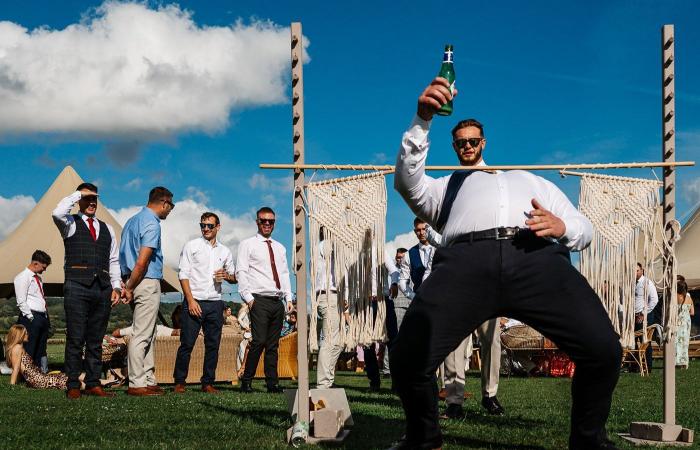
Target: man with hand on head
point(92, 286)
point(507, 238)
point(263, 283)
point(141, 260)
point(205, 264)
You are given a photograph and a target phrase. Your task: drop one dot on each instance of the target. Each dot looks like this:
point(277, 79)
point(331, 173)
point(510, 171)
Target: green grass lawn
point(537, 415)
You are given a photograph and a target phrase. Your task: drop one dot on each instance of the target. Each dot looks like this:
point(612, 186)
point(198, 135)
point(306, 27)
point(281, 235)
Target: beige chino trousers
point(141, 353)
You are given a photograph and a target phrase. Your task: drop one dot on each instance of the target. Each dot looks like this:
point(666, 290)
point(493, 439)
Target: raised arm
point(61, 214)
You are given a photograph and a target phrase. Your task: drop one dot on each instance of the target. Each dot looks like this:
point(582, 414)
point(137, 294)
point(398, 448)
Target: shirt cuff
point(75, 196)
point(247, 297)
point(570, 235)
point(117, 285)
point(419, 127)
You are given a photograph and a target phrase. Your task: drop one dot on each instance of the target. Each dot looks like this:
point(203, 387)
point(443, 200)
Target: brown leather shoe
point(98, 391)
point(179, 389)
point(73, 394)
point(142, 392)
point(155, 388)
point(209, 389)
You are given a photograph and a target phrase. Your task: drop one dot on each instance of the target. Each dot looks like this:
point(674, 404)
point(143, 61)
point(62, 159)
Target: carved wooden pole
point(668, 153)
point(299, 259)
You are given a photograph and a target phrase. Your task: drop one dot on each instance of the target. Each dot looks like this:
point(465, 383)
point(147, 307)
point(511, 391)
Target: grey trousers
point(329, 313)
point(141, 355)
point(455, 363)
point(401, 304)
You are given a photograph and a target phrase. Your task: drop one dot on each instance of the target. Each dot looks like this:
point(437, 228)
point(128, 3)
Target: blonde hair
point(15, 336)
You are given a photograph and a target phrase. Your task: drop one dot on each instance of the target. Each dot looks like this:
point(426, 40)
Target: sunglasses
point(168, 202)
point(266, 221)
point(208, 226)
point(90, 198)
point(462, 143)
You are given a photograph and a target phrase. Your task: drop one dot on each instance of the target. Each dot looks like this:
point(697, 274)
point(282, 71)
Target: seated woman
point(21, 363)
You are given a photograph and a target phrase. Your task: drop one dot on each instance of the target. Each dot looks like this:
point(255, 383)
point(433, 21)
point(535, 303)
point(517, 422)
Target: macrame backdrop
point(627, 229)
point(352, 212)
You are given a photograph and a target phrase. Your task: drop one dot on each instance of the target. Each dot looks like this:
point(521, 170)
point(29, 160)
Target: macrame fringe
point(352, 212)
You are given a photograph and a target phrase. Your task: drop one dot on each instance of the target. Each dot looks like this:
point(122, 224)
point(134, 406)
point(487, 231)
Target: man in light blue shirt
point(141, 262)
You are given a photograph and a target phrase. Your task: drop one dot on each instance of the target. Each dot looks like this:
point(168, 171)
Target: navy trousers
point(38, 330)
point(529, 279)
point(87, 313)
point(211, 322)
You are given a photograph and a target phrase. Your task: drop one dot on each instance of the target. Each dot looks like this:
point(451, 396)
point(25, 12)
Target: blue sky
point(553, 82)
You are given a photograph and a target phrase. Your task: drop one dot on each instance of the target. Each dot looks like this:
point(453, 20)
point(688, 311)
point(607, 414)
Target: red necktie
point(272, 263)
point(41, 289)
point(93, 232)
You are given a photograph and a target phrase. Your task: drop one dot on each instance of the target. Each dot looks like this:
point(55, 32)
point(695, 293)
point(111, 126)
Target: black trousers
point(266, 318)
point(370, 352)
point(531, 280)
point(211, 322)
point(38, 330)
point(87, 313)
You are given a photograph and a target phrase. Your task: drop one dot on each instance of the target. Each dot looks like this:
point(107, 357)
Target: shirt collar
point(262, 238)
point(146, 208)
point(30, 272)
point(204, 241)
point(85, 217)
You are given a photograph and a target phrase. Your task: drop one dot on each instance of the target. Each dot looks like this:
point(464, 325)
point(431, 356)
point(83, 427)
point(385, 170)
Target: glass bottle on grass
point(447, 71)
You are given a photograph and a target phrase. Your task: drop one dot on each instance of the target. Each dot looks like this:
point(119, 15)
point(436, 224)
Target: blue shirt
point(142, 230)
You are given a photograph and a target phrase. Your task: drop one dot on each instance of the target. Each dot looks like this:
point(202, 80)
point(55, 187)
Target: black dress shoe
point(492, 406)
point(374, 386)
point(275, 389)
point(453, 411)
point(403, 444)
point(246, 388)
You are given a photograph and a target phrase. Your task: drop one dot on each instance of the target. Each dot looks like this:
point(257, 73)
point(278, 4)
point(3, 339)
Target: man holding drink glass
point(205, 264)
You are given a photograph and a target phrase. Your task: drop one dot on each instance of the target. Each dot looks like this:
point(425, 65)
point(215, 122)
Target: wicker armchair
point(166, 352)
point(636, 357)
point(286, 358)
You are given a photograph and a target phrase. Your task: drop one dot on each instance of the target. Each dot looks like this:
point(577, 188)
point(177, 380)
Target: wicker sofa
point(166, 351)
point(226, 369)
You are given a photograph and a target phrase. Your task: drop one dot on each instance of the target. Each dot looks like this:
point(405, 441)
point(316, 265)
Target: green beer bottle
point(447, 71)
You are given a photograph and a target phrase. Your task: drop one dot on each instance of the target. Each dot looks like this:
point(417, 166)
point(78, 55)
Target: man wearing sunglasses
point(204, 264)
point(507, 237)
point(141, 261)
point(263, 283)
point(91, 287)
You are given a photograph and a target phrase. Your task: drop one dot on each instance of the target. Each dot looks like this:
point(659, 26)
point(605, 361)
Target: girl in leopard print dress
point(22, 364)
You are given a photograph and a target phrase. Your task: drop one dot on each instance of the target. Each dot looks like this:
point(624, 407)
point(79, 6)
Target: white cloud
point(182, 225)
point(691, 191)
point(134, 185)
point(405, 240)
point(12, 211)
point(265, 183)
point(129, 71)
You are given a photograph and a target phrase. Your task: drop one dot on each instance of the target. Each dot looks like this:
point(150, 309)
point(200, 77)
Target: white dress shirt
point(486, 200)
point(29, 294)
point(66, 225)
point(325, 276)
point(426, 253)
point(645, 296)
point(198, 261)
point(254, 271)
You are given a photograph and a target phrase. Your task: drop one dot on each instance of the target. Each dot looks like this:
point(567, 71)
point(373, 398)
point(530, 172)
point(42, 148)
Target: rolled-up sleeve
point(579, 230)
point(422, 193)
point(185, 266)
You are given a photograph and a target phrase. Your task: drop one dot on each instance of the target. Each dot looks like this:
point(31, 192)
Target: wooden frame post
point(668, 154)
point(300, 222)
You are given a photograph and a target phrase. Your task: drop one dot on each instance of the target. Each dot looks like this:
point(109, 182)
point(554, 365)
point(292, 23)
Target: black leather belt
point(323, 292)
point(495, 234)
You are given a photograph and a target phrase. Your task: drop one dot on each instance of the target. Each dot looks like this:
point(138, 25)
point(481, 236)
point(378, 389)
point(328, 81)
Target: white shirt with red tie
point(66, 225)
point(254, 269)
point(29, 291)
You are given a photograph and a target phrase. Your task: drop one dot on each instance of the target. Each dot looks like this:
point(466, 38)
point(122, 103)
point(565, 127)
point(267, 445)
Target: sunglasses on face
point(208, 226)
point(266, 221)
point(462, 143)
point(168, 202)
point(90, 198)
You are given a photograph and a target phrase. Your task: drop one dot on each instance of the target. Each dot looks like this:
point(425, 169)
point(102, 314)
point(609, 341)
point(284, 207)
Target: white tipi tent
point(688, 251)
point(38, 231)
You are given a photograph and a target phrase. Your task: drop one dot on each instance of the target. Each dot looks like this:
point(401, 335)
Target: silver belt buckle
point(508, 233)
